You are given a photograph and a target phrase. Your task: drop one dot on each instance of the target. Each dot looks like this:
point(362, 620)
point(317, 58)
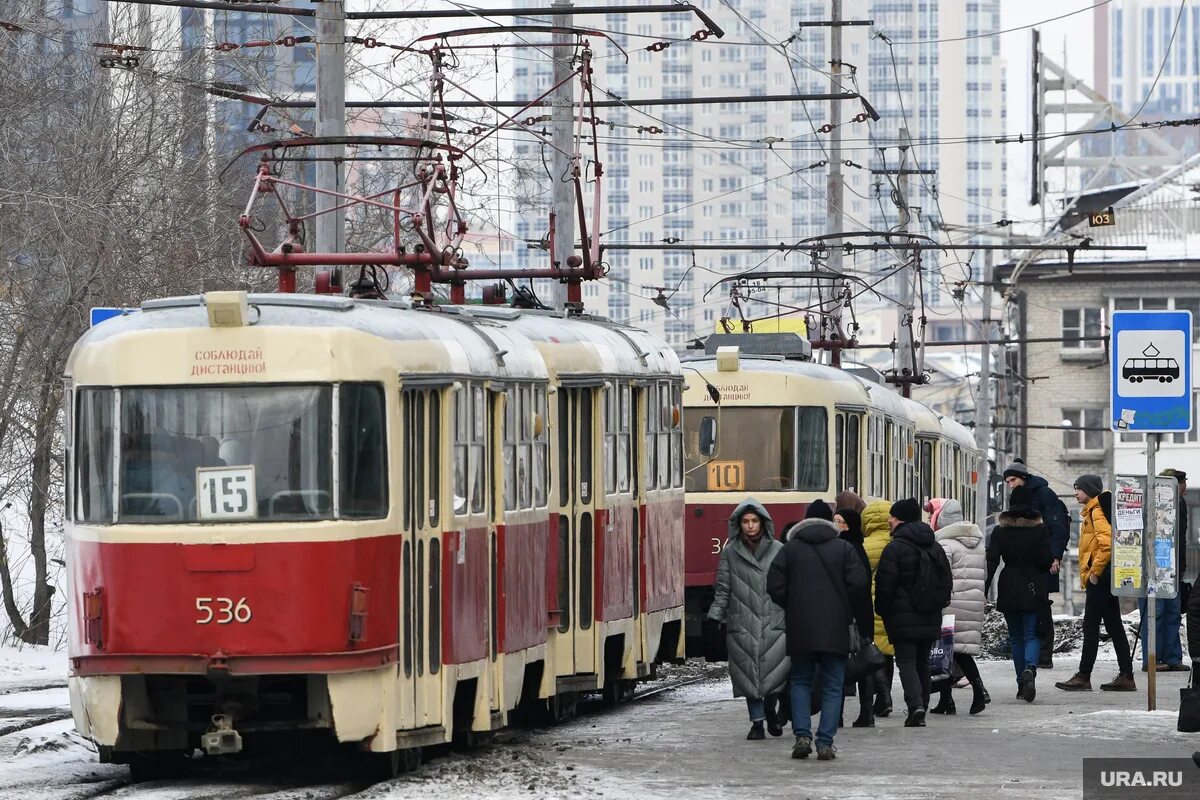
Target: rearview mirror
point(708, 436)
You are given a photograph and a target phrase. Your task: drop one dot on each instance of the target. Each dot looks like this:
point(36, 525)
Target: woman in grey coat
point(755, 626)
point(963, 542)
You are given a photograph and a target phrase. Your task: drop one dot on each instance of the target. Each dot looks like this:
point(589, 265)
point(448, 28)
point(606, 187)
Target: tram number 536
point(222, 610)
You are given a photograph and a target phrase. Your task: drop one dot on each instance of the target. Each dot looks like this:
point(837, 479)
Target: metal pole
point(983, 416)
point(331, 121)
point(904, 333)
point(1148, 568)
point(563, 114)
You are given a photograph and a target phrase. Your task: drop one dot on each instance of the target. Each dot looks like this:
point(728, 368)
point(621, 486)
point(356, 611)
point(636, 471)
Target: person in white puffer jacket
point(964, 545)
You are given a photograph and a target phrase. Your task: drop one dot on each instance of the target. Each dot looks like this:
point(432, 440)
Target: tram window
point(93, 456)
point(853, 423)
point(664, 438)
point(435, 456)
point(925, 473)
point(407, 647)
point(586, 432)
point(609, 424)
point(564, 573)
point(812, 434)
point(525, 449)
point(585, 571)
point(462, 433)
point(419, 463)
point(478, 461)
point(541, 450)
point(564, 448)
point(676, 436)
point(435, 606)
point(363, 452)
point(421, 606)
point(511, 409)
point(839, 449)
point(624, 415)
point(652, 422)
point(264, 451)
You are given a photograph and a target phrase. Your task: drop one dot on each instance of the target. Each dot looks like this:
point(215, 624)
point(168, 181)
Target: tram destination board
point(1151, 371)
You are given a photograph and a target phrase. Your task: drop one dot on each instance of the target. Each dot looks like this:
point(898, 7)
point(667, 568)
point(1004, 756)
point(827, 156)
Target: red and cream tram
point(788, 431)
point(357, 520)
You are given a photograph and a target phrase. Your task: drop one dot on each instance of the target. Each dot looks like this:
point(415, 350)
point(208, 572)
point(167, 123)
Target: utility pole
point(331, 121)
point(983, 411)
point(833, 187)
point(1149, 514)
point(564, 156)
point(904, 330)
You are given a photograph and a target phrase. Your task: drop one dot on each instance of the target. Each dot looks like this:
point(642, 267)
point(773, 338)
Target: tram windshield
point(761, 449)
point(228, 454)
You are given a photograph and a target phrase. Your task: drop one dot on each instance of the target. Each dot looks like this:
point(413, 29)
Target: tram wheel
point(561, 707)
point(1163, 379)
point(386, 766)
point(619, 691)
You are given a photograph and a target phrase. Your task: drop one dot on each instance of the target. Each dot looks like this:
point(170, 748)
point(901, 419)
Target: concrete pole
point(983, 412)
point(904, 333)
point(834, 187)
point(331, 121)
point(563, 116)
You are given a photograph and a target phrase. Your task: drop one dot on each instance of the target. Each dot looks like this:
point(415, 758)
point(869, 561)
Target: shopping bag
point(941, 655)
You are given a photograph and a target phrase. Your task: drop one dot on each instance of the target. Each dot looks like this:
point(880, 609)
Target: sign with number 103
point(225, 493)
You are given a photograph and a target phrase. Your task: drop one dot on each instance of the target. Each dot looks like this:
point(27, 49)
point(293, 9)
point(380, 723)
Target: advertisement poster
point(1163, 580)
point(1127, 542)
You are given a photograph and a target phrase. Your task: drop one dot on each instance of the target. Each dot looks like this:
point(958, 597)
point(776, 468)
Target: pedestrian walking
point(813, 579)
point(1193, 630)
point(1021, 543)
point(1168, 613)
point(1054, 515)
point(755, 632)
point(877, 532)
point(963, 542)
point(849, 525)
point(912, 587)
point(1100, 605)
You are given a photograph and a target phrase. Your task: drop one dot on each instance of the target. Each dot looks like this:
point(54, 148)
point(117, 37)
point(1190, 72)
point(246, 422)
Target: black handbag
point(865, 656)
point(1189, 707)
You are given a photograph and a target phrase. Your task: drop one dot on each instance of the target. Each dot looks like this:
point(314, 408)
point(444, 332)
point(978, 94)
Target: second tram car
point(371, 524)
point(789, 431)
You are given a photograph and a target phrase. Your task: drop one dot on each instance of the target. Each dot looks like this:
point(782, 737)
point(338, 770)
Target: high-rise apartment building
point(751, 173)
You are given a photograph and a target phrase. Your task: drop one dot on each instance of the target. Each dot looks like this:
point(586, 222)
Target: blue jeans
point(832, 678)
point(1023, 637)
point(1167, 614)
point(757, 708)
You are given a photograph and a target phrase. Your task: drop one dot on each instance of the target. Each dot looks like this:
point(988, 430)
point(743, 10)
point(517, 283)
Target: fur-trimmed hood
point(1020, 518)
point(813, 531)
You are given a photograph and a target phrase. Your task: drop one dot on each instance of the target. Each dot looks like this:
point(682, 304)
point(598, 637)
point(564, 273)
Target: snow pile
point(31, 665)
point(1068, 635)
point(1119, 724)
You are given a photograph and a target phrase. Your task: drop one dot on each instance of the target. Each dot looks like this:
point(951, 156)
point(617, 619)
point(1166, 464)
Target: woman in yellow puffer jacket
point(876, 535)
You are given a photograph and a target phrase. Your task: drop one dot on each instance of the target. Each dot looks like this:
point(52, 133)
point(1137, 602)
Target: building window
point(1076, 437)
point(1078, 322)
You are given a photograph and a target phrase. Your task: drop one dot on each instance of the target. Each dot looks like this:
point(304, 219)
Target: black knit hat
point(1091, 485)
point(1016, 469)
point(1021, 499)
point(906, 510)
point(819, 509)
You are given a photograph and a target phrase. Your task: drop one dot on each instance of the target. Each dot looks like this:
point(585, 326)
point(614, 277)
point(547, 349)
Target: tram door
point(421, 568)
point(576, 432)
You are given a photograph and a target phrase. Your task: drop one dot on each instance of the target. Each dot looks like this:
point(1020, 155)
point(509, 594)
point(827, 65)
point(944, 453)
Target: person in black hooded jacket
point(1053, 512)
point(1022, 541)
point(849, 524)
point(911, 615)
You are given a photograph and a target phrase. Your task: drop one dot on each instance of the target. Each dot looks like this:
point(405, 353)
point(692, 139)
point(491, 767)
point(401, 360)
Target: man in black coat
point(912, 612)
point(814, 579)
point(1054, 515)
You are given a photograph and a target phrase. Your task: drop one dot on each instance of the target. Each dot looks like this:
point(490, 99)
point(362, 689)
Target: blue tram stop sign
point(101, 313)
point(1151, 371)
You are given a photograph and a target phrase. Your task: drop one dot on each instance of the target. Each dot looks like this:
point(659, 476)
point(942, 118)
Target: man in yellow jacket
point(1095, 553)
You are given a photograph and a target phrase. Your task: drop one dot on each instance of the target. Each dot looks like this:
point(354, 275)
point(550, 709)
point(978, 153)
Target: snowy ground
point(685, 743)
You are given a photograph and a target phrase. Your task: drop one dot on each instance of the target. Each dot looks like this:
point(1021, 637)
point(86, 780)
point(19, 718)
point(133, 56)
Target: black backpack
point(931, 592)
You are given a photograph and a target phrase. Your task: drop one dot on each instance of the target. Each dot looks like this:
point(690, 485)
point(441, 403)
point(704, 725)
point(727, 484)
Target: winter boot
point(1029, 684)
point(916, 719)
point(945, 704)
point(883, 706)
point(1121, 683)
point(802, 748)
point(826, 752)
point(1077, 683)
point(773, 726)
point(987, 698)
point(866, 719)
point(980, 699)
point(756, 731)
